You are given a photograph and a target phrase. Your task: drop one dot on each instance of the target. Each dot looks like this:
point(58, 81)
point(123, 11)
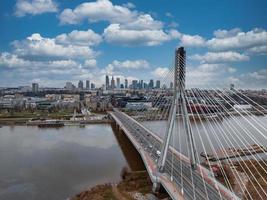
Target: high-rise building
point(35, 87)
point(80, 84)
point(232, 86)
point(92, 86)
point(171, 85)
point(141, 84)
point(126, 84)
point(118, 83)
point(87, 84)
point(151, 83)
point(122, 86)
point(158, 84)
point(107, 82)
point(134, 84)
point(69, 86)
point(145, 85)
point(112, 83)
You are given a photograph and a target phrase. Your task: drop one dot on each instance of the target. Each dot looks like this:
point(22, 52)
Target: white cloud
point(168, 14)
point(12, 61)
point(127, 27)
point(128, 5)
point(118, 67)
point(225, 33)
point(37, 46)
point(80, 38)
point(143, 22)
point(236, 39)
point(90, 63)
point(257, 75)
point(218, 57)
point(191, 40)
point(207, 75)
point(130, 64)
point(253, 80)
point(258, 50)
point(161, 72)
point(34, 7)
point(114, 33)
point(100, 10)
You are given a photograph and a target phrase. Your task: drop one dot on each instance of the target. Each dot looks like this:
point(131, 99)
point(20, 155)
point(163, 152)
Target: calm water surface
point(55, 164)
point(211, 135)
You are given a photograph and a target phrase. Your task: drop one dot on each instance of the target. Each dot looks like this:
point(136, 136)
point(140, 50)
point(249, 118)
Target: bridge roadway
point(178, 179)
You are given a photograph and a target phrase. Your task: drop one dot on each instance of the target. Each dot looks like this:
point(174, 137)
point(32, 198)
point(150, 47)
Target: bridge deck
point(178, 180)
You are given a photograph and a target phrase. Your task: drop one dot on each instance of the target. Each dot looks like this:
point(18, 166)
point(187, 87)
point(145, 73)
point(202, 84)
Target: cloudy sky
point(54, 41)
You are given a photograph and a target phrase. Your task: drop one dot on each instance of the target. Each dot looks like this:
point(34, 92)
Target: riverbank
point(246, 178)
point(21, 118)
point(133, 186)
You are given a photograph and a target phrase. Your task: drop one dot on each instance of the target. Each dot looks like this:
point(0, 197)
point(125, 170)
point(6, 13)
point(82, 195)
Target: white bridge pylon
point(178, 104)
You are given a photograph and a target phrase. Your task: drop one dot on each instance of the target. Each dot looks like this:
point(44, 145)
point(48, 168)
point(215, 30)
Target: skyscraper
point(107, 82)
point(92, 86)
point(171, 85)
point(118, 83)
point(69, 86)
point(112, 83)
point(126, 84)
point(134, 84)
point(87, 84)
point(151, 84)
point(35, 87)
point(141, 84)
point(80, 84)
point(158, 84)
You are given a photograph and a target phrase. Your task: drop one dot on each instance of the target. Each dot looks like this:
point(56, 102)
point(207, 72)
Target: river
point(55, 164)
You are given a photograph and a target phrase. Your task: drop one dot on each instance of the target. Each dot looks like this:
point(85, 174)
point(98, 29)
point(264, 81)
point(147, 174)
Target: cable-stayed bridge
point(223, 124)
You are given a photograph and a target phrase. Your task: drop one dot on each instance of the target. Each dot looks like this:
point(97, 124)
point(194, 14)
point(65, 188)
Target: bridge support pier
point(156, 187)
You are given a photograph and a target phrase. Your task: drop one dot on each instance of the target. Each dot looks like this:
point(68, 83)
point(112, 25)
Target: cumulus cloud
point(34, 7)
point(13, 61)
point(122, 66)
point(80, 38)
point(127, 26)
point(114, 33)
point(161, 72)
point(207, 75)
point(131, 64)
point(25, 71)
point(191, 40)
point(36, 46)
point(100, 10)
point(143, 22)
point(258, 50)
point(236, 39)
point(90, 63)
point(218, 57)
point(253, 80)
point(225, 33)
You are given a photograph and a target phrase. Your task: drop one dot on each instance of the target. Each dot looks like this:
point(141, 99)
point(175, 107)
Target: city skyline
point(50, 42)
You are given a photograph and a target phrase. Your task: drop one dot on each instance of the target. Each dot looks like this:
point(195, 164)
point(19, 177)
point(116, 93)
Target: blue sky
point(52, 41)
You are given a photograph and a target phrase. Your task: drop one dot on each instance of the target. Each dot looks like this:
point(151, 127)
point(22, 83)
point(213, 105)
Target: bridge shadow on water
point(131, 155)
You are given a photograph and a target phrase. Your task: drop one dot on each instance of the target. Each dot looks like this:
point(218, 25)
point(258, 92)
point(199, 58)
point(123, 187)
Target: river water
point(210, 135)
point(55, 164)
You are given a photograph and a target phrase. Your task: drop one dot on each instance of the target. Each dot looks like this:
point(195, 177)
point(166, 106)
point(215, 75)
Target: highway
point(189, 181)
